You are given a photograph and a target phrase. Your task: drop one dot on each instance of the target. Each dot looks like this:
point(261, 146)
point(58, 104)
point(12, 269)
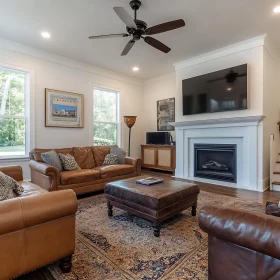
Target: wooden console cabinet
point(162, 157)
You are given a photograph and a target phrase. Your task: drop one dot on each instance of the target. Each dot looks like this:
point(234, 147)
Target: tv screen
point(224, 90)
point(158, 138)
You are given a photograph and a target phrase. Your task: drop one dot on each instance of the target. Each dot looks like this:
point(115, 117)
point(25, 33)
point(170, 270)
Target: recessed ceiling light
point(277, 10)
point(45, 34)
point(229, 89)
point(135, 69)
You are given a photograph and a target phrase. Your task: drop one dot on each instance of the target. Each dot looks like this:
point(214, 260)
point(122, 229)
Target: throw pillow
point(111, 159)
point(68, 162)
point(120, 153)
point(9, 188)
point(52, 158)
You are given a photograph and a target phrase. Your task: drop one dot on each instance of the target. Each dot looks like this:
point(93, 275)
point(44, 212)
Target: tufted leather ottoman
point(155, 203)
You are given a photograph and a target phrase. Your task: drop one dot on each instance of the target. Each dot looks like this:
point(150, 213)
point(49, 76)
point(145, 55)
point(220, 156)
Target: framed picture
point(165, 114)
point(64, 109)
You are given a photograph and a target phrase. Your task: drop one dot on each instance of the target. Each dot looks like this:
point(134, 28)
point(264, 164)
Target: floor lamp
point(130, 122)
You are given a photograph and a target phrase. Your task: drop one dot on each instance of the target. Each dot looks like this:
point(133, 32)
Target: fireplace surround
point(244, 132)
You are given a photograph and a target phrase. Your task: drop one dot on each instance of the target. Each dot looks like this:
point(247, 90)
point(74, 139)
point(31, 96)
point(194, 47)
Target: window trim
point(117, 123)
point(29, 110)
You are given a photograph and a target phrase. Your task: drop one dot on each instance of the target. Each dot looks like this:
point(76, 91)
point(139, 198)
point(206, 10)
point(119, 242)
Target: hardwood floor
point(268, 195)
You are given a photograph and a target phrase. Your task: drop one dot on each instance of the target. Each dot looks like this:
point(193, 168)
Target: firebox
point(216, 162)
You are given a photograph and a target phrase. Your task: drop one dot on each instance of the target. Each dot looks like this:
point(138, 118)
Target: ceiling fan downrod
point(135, 5)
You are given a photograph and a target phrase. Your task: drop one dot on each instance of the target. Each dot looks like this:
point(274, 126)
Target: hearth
point(215, 161)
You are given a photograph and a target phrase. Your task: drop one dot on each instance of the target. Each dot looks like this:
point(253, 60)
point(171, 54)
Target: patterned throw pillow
point(68, 162)
point(52, 158)
point(9, 188)
point(111, 159)
point(120, 153)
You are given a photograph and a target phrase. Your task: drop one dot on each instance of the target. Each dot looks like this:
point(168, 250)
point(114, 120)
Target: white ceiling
point(210, 25)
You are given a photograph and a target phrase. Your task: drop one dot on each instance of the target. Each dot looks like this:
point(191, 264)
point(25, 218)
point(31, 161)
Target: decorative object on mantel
point(165, 114)
point(130, 122)
point(64, 109)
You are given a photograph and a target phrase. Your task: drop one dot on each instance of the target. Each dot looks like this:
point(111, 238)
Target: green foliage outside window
point(105, 117)
point(12, 130)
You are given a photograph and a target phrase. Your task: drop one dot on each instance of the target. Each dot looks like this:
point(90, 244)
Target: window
point(13, 113)
point(105, 117)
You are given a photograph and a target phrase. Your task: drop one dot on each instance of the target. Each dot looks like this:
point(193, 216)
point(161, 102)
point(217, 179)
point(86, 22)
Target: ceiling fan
point(230, 78)
point(138, 29)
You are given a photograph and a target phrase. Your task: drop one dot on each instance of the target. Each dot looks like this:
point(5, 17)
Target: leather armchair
point(243, 245)
point(36, 228)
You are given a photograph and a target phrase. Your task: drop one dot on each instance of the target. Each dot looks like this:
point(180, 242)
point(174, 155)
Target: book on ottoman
point(149, 181)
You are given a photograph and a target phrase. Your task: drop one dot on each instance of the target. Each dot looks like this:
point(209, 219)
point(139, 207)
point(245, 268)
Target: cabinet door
point(165, 158)
point(149, 157)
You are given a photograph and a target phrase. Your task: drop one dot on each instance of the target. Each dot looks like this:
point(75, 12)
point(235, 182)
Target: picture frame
point(165, 114)
point(64, 109)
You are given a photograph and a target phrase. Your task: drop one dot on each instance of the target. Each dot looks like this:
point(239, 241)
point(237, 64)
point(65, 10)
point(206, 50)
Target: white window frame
point(117, 123)
point(28, 110)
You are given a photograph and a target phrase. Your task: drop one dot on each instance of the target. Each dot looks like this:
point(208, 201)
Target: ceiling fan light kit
point(138, 29)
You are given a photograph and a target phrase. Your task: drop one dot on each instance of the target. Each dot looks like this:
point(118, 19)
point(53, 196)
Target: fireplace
point(215, 161)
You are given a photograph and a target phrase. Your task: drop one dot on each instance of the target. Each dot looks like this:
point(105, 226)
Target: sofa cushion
point(84, 157)
point(36, 153)
point(111, 159)
point(79, 176)
point(9, 188)
point(109, 171)
point(31, 189)
point(120, 153)
point(68, 162)
point(99, 154)
point(52, 158)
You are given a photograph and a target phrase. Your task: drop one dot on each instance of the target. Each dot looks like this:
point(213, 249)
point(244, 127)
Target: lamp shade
point(130, 121)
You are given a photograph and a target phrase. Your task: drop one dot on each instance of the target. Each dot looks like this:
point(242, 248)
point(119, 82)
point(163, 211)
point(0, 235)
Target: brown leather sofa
point(243, 245)
point(36, 228)
point(92, 176)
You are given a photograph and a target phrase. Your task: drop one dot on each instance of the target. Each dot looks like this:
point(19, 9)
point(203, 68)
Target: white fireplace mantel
point(235, 121)
point(245, 132)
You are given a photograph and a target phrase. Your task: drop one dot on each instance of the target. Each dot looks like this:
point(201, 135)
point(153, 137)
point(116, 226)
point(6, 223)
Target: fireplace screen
point(216, 162)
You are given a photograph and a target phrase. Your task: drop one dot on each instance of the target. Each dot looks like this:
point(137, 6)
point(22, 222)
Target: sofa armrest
point(24, 212)
point(44, 175)
point(136, 162)
point(13, 171)
point(255, 231)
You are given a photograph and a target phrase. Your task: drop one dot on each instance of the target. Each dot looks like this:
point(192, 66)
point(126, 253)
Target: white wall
point(55, 72)
point(156, 89)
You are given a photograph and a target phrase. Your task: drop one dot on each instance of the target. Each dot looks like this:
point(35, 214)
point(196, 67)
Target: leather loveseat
point(91, 177)
point(243, 245)
point(36, 228)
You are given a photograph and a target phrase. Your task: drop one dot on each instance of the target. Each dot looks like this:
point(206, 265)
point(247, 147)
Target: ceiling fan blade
point(157, 44)
point(164, 27)
point(128, 47)
point(125, 17)
point(109, 36)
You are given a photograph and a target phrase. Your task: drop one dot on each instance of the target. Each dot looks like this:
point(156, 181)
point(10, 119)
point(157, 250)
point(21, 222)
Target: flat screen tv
point(220, 91)
point(158, 138)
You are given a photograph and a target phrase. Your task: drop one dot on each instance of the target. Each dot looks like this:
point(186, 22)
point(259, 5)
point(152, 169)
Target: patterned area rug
point(124, 247)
